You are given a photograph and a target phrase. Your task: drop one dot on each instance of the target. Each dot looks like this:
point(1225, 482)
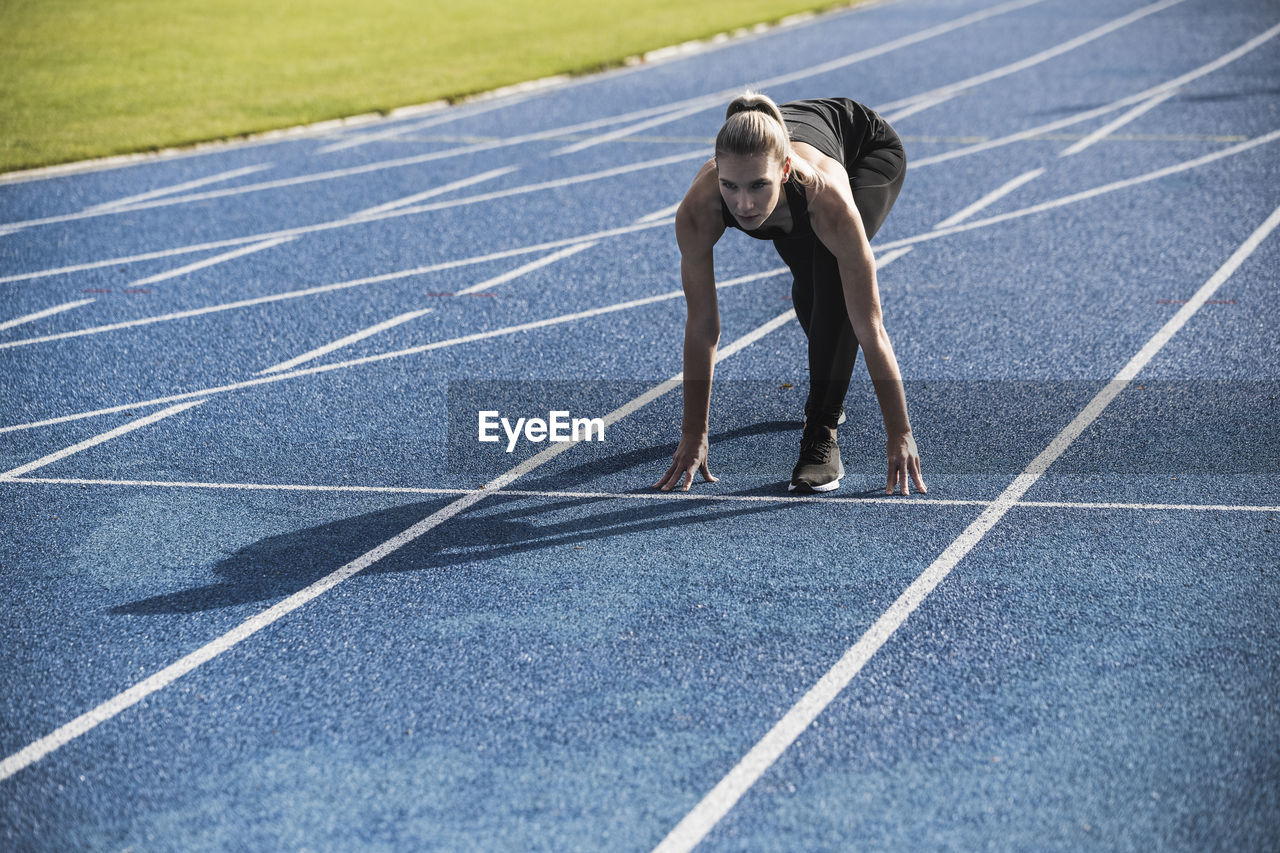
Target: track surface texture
point(265, 589)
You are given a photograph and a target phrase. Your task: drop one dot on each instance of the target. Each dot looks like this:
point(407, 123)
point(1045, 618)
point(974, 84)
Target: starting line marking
point(910, 500)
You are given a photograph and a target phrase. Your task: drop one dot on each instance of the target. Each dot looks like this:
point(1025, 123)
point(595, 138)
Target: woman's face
point(751, 185)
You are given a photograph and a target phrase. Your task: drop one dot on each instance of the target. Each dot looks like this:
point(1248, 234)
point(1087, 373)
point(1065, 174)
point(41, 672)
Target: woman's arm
point(696, 234)
point(836, 221)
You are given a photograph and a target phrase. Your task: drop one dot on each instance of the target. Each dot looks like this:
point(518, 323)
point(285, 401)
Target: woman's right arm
point(696, 234)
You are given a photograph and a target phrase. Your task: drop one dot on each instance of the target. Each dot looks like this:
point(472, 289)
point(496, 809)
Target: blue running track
point(265, 589)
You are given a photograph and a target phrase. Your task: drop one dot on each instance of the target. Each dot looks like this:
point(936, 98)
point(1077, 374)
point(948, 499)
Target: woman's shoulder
point(702, 201)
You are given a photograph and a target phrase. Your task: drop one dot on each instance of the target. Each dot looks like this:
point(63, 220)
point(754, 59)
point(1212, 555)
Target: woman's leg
point(818, 298)
point(818, 294)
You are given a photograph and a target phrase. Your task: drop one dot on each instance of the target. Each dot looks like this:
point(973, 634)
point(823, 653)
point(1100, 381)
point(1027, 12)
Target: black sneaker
point(819, 468)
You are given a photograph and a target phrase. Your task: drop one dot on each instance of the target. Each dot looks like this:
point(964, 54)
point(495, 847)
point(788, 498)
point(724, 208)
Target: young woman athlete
point(817, 177)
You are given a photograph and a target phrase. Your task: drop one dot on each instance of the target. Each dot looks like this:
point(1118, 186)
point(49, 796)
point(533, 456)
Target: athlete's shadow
point(278, 566)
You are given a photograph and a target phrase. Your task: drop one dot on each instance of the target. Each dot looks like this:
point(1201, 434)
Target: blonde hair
point(753, 125)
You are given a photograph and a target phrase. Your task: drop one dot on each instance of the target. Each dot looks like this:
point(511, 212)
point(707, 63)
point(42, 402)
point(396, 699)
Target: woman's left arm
point(836, 222)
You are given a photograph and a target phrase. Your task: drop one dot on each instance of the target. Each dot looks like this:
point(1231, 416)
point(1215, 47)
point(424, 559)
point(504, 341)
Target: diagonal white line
point(447, 116)
point(661, 214)
point(566, 252)
point(1114, 125)
point(356, 337)
point(435, 191)
point(177, 188)
point(40, 315)
point(209, 262)
point(990, 198)
point(632, 129)
point(96, 440)
point(716, 804)
point(918, 106)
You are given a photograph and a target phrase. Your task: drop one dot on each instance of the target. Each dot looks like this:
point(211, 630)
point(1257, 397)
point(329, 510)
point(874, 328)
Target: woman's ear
point(786, 169)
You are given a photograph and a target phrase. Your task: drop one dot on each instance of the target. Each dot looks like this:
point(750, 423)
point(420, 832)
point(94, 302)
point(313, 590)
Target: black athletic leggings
point(818, 295)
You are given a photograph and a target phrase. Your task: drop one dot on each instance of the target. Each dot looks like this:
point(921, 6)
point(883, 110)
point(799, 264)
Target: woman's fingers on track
point(903, 467)
point(706, 474)
point(918, 475)
point(675, 475)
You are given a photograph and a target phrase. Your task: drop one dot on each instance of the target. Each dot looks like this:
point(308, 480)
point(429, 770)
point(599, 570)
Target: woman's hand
point(904, 462)
point(691, 455)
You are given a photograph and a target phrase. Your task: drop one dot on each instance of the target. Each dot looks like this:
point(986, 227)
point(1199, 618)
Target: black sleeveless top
point(841, 128)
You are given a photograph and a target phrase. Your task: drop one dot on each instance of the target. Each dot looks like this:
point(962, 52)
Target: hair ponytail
point(753, 125)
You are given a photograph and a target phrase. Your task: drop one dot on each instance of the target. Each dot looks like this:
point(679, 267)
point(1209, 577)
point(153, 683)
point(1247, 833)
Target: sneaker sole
point(825, 487)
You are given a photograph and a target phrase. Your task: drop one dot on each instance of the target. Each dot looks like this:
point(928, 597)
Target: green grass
point(88, 78)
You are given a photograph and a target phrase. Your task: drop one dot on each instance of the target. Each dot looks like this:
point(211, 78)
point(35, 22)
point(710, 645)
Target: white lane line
point(662, 213)
point(177, 188)
point(918, 106)
point(85, 722)
point(884, 259)
point(716, 804)
point(120, 205)
point(40, 315)
point(372, 359)
point(426, 194)
point(1085, 194)
point(700, 153)
point(96, 440)
point(990, 198)
point(927, 236)
point(342, 285)
point(348, 222)
point(1114, 125)
point(1148, 507)
point(951, 89)
point(689, 106)
point(631, 129)
point(912, 500)
point(356, 337)
point(1040, 130)
point(209, 262)
point(566, 252)
point(445, 117)
point(249, 487)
